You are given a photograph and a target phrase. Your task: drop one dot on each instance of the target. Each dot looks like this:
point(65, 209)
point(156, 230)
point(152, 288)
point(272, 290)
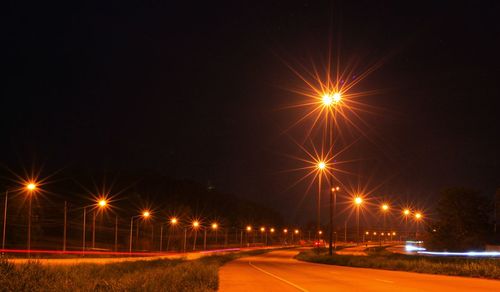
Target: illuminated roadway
point(279, 271)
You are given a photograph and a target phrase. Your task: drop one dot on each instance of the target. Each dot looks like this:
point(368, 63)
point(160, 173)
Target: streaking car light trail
point(462, 254)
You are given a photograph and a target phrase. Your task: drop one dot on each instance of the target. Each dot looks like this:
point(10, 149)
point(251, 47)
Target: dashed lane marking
point(277, 277)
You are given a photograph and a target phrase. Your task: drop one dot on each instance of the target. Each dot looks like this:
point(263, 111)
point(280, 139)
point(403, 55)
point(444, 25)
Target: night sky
point(198, 91)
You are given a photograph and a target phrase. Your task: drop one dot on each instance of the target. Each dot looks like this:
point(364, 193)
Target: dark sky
point(197, 91)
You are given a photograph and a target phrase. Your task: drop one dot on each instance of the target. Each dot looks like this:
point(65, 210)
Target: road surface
point(279, 271)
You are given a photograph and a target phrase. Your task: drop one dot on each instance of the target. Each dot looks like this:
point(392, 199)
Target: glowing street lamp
point(173, 221)
point(333, 206)
point(385, 207)
point(329, 99)
point(31, 189)
point(285, 230)
point(321, 165)
point(249, 228)
point(99, 204)
point(418, 218)
point(357, 202)
point(196, 226)
point(215, 226)
point(145, 215)
point(272, 230)
point(406, 213)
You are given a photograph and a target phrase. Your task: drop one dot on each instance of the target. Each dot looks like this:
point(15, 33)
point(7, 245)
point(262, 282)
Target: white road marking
point(277, 277)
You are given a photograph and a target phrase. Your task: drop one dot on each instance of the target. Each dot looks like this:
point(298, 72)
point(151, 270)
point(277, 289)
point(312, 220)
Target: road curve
point(279, 271)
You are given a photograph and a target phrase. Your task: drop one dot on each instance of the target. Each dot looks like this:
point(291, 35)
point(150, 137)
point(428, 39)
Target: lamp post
point(196, 225)
point(406, 213)
point(357, 201)
point(145, 215)
point(215, 227)
point(4, 218)
point(333, 202)
point(418, 218)
point(249, 229)
point(385, 209)
point(173, 223)
point(101, 204)
point(31, 188)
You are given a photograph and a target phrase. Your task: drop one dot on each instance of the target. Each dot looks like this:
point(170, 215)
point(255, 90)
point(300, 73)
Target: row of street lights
point(100, 205)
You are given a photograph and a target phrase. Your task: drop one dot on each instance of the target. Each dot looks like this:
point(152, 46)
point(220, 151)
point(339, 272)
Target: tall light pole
point(100, 204)
point(31, 188)
point(406, 213)
point(249, 229)
point(333, 203)
point(418, 218)
point(173, 223)
point(4, 218)
point(196, 225)
point(321, 166)
point(145, 215)
point(65, 224)
point(215, 227)
point(385, 209)
point(357, 202)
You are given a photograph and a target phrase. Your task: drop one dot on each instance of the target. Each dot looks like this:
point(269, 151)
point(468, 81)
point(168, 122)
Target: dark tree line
point(463, 221)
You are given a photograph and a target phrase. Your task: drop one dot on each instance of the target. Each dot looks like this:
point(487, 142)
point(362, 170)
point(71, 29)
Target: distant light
point(102, 203)
point(249, 228)
point(418, 216)
point(337, 97)
point(335, 189)
point(374, 233)
point(272, 230)
point(394, 233)
point(296, 231)
point(31, 186)
point(321, 165)
point(468, 254)
point(214, 226)
point(285, 230)
point(320, 232)
point(173, 221)
point(385, 207)
point(329, 99)
point(367, 232)
point(196, 224)
point(262, 229)
point(406, 212)
point(358, 200)
point(146, 214)
point(413, 248)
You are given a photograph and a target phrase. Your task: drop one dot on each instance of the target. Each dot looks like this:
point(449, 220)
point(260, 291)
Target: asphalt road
point(278, 271)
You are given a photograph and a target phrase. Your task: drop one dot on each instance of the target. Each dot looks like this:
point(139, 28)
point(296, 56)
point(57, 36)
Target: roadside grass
point(382, 259)
point(154, 275)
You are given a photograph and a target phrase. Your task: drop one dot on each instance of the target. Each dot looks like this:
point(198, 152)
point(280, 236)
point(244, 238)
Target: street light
point(330, 99)
point(145, 215)
point(385, 210)
point(31, 188)
point(333, 203)
point(101, 204)
point(196, 225)
point(406, 213)
point(357, 201)
point(418, 218)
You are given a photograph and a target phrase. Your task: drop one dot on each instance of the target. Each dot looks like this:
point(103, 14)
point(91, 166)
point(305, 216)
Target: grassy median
point(154, 275)
point(381, 259)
